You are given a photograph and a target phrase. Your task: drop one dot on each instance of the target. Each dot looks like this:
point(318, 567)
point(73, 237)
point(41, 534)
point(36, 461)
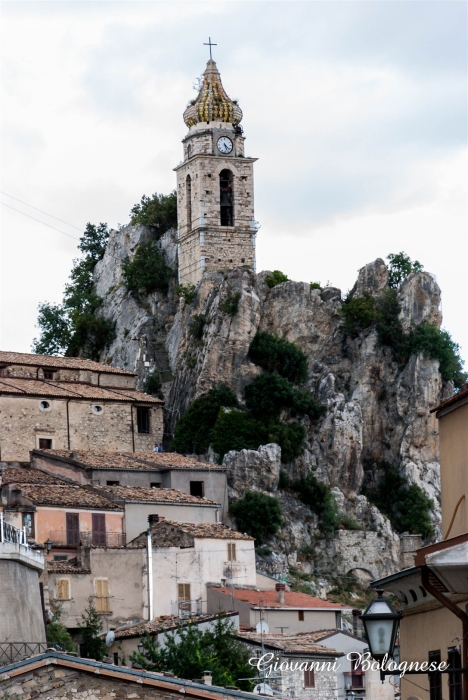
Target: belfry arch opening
point(188, 198)
point(226, 191)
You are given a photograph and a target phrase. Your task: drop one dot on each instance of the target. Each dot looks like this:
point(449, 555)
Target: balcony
point(73, 538)
point(12, 534)
point(186, 608)
point(11, 652)
point(354, 680)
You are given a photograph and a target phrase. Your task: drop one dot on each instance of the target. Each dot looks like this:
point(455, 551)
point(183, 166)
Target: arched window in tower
point(188, 199)
point(226, 191)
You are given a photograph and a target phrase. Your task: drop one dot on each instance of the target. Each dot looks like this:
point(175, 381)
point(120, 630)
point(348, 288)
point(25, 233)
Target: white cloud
point(357, 112)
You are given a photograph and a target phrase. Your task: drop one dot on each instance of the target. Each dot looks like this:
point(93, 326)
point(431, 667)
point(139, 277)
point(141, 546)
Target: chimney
point(280, 589)
point(409, 544)
point(207, 678)
point(357, 626)
point(153, 519)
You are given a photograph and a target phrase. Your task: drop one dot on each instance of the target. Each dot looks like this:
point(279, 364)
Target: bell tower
point(215, 198)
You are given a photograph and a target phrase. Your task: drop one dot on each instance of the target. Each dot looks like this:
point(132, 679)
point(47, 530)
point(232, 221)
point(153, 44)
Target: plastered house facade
point(215, 195)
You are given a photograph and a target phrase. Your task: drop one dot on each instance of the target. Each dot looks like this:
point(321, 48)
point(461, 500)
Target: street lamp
point(48, 545)
point(381, 622)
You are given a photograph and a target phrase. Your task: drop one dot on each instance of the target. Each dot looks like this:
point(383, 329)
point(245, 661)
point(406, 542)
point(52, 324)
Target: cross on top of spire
point(210, 45)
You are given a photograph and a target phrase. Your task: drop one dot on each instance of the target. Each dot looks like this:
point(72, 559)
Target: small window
point(44, 405)
point(202, 263)
point(435, 679)
point(60, 557)
point(454, 679)
point(113, 483)
point(45, 443)
point(197, 488)
point(97, 409)
point(62, 589)
point(231, 551)
point(155, 484)
point(101, 586)
point(309, 679)
point(300, 617)
point(143, 420)
point(48, 374)
point(116, 658)
point(28, 523)
point(183, 592)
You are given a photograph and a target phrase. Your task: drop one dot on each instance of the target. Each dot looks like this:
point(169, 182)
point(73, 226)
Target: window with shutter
point(231, 548)
point(101, 586)
point(62, 589)
point(309, 679)
point(184, 591)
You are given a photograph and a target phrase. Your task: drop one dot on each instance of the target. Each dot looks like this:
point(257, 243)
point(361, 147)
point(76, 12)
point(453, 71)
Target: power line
point(42, 212)
point(41, 222)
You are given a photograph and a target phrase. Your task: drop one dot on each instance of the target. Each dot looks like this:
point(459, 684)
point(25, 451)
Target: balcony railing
point(11, 652)
point(10, 533)
point(186, 608)
point(73, 538)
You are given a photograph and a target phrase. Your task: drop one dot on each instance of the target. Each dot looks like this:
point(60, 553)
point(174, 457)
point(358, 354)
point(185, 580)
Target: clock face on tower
point(224, 144)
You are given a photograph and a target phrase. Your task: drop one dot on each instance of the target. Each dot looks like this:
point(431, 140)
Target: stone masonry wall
point(58, 682)
point(23, 423)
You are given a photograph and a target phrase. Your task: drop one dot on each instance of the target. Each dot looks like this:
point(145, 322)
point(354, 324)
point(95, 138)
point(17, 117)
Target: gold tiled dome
point(212, 103)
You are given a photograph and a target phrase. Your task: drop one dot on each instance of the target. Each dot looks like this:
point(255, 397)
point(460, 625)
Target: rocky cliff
point(377, 411)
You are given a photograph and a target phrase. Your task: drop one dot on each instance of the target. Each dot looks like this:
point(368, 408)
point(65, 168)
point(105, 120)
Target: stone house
point(300, 668)
point(147, 469)
point(60, 511)
point(68, 515)
point(70, 403)
point(54, 675)
point(282, 609)
point(128, 637)
point(184, 559)
point(143, 503)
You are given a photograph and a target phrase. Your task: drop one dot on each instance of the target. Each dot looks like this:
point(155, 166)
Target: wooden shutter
point(99, 529)
point(62, 589)
point(231, 551)
point(102, 595)
point(309, 679)
point(184, 591)
point(73, 529)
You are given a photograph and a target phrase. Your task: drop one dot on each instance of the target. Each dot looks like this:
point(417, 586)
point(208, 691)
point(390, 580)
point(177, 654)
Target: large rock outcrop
point(377, 412)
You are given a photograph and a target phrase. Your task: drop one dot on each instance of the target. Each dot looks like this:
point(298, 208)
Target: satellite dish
point(110, 638)
point(263, 689)
point(262, 627)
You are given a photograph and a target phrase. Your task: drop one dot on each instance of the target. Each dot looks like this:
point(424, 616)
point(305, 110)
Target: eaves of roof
point(122, 673)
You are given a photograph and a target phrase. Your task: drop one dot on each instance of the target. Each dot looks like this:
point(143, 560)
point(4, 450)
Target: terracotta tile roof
point(154, 495)
point(292, 599)
point(17, 475)
point(76, 390)
point(463, 394)
point(157, 461)
point(66, 496)
point(23, 358)
point(215, 531)
point(163, 624)
point(63, 567)
point(291, 644)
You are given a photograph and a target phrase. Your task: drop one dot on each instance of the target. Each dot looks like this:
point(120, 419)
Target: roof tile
point(66, 496)
point(292, 599)
point(154, 495)
point(78, 390)
point(24, 358)
point(157, 461)
point(300, 643)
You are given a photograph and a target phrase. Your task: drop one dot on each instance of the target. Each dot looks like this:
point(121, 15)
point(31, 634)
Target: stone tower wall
point(20, 600)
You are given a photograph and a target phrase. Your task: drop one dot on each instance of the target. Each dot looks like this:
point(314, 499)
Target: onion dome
point(212, 103)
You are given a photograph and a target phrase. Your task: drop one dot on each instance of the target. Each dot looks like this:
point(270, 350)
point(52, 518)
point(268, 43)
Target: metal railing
point(186, 608)
point(10, 533)
point(73, 538)
point(11, 652)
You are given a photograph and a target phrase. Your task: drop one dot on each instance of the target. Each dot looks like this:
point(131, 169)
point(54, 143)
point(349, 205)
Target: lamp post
point(381, 622)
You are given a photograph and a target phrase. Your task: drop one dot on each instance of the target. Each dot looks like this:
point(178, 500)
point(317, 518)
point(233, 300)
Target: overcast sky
point(355, 109)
